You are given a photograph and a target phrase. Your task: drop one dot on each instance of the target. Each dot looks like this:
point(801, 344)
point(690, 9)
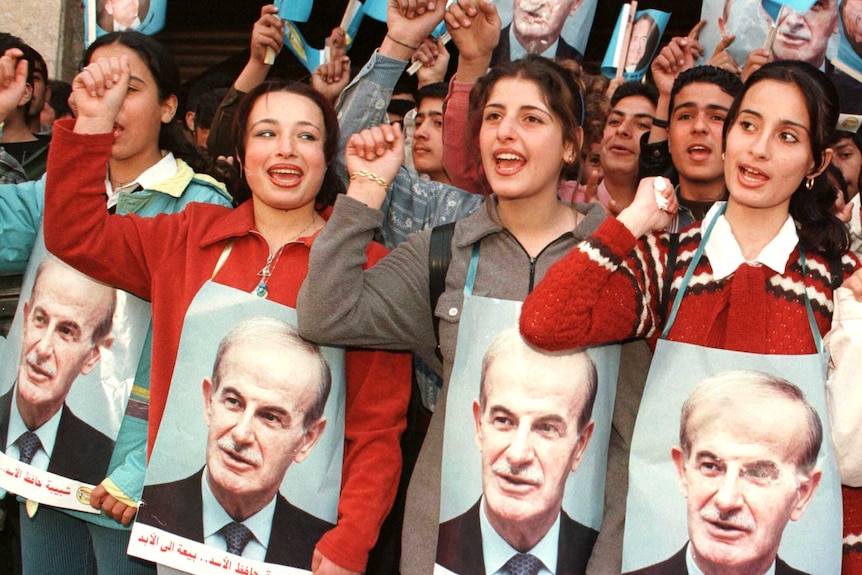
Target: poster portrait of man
point(550, 28)
point(263, 408)
point(246, 466)
point(811, 37)
point(736, 467)
point(851, 23)
point(747, 465)
point(643, 42)
point(532, 425)
point(66, 326)
point(119, 15)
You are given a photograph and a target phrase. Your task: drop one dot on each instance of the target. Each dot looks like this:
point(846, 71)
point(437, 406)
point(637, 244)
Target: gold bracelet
point(371, 176)
point(406, 45)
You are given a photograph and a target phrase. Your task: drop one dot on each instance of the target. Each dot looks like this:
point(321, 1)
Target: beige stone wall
point(54, 28)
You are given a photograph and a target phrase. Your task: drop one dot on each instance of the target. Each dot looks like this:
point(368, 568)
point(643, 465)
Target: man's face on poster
point(742, 481)
point(851, 16)
point(637, 45)
point(256, 418)
point(60, 319)
point(527, 432)
point(541, 20)
point(805, 36)
point(124, 12)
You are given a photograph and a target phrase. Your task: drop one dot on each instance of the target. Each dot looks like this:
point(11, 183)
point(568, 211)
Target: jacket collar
point(239, 222)
point(485, 221)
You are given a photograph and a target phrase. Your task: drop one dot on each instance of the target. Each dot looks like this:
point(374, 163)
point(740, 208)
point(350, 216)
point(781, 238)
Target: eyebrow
point(275, 408)
point(69, 323)
point(624, 115)
point(276, 122)
point(782, 121)
point(522, 108)
point(550, 418)
point(694, 105)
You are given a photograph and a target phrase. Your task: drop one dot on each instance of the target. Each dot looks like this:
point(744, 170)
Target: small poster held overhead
point(791, 29)
point(849, 59)
point(634, 42)
point(551, 29)
point(104, 16)
point(291, 11)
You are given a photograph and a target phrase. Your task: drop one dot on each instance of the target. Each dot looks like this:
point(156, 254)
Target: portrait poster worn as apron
point(91, 383)
point(656, 529)
point(482, 319)
point(178, 457)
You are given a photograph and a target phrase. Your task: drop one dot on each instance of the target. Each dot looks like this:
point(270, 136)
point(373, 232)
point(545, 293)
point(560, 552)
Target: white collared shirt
point(133, 26)
point(724, 254)
point(497, 551)
point(162, 170)
point(693, 569)
point(215, 517)
point(47, 434)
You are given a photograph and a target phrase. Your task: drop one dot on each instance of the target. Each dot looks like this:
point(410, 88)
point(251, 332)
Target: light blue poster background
point(179, 451)
point(98, 398)
point(656, 524)
point(461, 481)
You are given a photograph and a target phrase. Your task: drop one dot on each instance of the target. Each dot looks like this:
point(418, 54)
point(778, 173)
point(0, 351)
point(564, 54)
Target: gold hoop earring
point(809, 183)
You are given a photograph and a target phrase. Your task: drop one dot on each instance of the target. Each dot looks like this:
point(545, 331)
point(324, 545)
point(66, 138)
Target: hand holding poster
point(790, 29)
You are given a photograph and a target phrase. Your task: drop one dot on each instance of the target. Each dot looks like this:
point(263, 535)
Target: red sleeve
point(603, 291)
point(462, 170)
point(378, 391)
point(117, 250)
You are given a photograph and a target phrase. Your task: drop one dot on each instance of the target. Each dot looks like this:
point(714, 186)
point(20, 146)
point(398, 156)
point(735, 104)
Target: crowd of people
point(496, 329)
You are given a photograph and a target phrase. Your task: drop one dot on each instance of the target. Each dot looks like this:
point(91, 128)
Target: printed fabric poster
point(245, 473)
point(551, 29)
point(804, 29)
point(849, 58)
point(104, 16)
point(67, 370)
point(732, 467)
point(524, 450)
point(646, 31)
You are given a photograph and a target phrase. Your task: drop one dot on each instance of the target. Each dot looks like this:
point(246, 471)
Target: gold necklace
point(117, 184)
point(260, 289)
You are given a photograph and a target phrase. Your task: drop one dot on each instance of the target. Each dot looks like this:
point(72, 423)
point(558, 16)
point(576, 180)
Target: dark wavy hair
point(819, 228)
point(561, 91)
point(165, 72)
point(332, 185)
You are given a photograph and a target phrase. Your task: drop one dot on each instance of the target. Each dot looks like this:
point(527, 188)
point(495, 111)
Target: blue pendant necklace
point(261, 289)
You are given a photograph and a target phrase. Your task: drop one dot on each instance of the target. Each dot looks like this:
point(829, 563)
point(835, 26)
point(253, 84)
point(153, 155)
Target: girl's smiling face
point(521, 141)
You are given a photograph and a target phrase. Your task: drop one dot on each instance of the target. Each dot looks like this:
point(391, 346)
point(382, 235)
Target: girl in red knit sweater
point(756, 276)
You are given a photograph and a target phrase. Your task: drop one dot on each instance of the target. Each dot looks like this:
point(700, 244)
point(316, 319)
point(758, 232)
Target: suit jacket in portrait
point(676, 565)
point(178, 508)
point(81, 452)
point(502, 53)
point(459, 546)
